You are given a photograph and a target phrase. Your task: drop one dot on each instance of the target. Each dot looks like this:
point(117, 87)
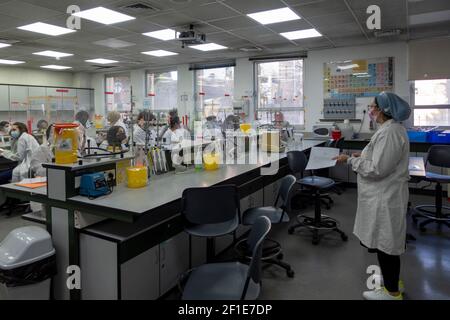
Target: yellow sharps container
point(66, 143)
point(137, 177)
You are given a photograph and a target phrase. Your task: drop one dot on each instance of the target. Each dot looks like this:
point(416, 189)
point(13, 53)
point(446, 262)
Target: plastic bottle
point(198, 160)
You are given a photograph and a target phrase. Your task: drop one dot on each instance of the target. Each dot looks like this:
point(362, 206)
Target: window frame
point(109, 75)
point(257, 109)
point(199, 110)
point(149, 71)
point(412, 90)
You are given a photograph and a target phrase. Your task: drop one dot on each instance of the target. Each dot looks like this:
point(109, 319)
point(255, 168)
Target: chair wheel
point(290, 273)
point(344, 237)
point(280, 256)
point(291, 230)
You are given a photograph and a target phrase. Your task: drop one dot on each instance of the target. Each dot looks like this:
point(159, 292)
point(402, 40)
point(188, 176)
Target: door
point(174, 260)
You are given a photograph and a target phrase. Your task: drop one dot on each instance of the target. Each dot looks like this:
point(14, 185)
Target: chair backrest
point(255, 240)
point(207, 205)
point(297, 162)
point(439, 156)
point(285, 188)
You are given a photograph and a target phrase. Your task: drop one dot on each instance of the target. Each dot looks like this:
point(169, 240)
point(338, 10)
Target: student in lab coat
point(5, 126)
point(43, 154)
point(383, 193)
point(175, 134)
point(22, 148)
point(83, 119)
point(145, 125)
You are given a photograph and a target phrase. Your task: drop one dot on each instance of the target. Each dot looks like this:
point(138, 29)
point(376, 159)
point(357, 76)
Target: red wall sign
point(62, 90)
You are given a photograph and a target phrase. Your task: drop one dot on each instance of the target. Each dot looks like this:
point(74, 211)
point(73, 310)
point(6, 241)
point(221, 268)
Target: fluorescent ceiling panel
point(46, 28)
point(274, 16)
point(4, 45)
point(160, 53)
point(301, 34)
point(102, 61)
point(54, 54)
point(103, 15)
point(56, 67)
point(3, 61)
point(165, 34)
point(208, 47)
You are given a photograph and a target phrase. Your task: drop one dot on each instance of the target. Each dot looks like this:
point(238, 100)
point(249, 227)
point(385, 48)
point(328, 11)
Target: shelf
point(339, 120)
point(34, 218)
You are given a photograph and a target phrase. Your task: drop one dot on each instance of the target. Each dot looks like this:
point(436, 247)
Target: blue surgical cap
point(394, 106)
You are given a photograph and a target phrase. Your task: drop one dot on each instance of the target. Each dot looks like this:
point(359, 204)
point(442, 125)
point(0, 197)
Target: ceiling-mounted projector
point(190, 37)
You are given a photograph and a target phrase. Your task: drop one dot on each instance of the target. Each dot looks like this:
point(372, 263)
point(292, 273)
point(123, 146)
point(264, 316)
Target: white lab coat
point(42, 155)
point(383, 189)
point(139, 136)
point(174, 137)
point(22, 151)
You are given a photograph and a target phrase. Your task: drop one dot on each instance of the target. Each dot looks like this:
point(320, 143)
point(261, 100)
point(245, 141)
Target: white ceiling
point(342, 22)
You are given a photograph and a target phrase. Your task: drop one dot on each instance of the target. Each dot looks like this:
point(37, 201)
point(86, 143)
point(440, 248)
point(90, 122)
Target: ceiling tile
point(347, 29)
point(332, 19)
point(23, 10)
point(428, 6)
point(320, 8)
point(235, 23)
point(209, 12)
point(171, 19)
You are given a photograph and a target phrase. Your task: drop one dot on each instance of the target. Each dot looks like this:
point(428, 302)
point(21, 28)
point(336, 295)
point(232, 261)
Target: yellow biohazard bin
point(66, 143)
point(137, 177)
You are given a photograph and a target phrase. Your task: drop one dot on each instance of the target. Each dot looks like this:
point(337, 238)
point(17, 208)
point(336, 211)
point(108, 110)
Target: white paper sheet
point(321, 157)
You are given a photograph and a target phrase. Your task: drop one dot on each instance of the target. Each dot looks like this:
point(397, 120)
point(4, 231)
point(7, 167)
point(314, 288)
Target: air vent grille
point(140, 7)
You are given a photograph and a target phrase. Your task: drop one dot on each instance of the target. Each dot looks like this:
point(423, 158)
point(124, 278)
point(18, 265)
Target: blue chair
point(230, 280)
point(439, 156)
point(272, 252)
point(316, 186)
point(210, 212)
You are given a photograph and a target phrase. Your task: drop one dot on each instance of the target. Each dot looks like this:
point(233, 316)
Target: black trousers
point(390, 269)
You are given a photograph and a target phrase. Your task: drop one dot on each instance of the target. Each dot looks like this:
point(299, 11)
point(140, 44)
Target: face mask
point(14, 134)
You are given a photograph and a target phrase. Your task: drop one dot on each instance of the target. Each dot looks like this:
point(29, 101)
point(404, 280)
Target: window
point(214, 91)
point(162, 90)
point(118, 93)
point(279, 86)
point(432, 102)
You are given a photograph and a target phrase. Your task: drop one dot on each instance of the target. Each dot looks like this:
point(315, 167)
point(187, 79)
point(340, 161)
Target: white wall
point(14, 75)
point(313, 75)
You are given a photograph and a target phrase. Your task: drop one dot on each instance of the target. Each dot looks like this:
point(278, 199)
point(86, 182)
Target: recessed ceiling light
point(301, 34)
point(55, 67)
point(103, 15)
point(160, 53)
point(274, 16)
point(3, 61)
point(54, 54)
point(3, 45)
point(101, 61)
point(165, 34)
point(114, 43)
point(46, 28)
point(208, 47)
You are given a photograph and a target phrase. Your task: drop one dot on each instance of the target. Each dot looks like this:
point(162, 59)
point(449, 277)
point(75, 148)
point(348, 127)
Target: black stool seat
point(274, 214)
point(316, 182)
point(213, 229)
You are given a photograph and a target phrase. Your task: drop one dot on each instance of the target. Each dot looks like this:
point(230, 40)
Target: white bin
point(27, 263)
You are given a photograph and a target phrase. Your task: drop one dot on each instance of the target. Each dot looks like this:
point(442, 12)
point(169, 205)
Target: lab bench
point(140, 250)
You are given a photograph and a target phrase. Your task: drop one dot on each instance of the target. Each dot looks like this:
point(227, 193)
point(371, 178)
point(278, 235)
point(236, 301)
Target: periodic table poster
point(358, 78)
